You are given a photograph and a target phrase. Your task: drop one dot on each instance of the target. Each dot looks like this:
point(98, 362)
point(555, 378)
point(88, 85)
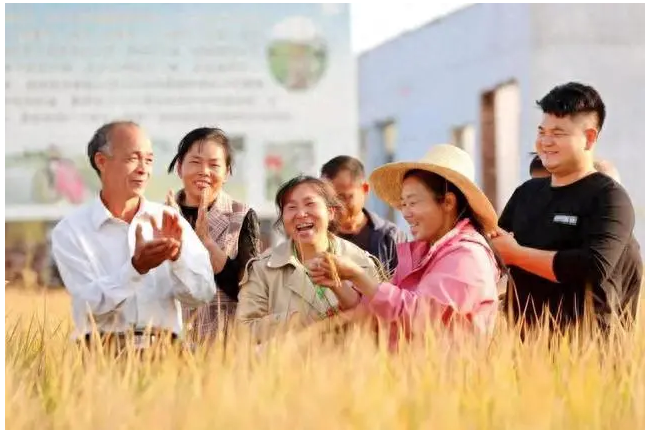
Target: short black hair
point(571, 99)
point(324, 189)
point(100, 140)
point(343, 162)
point(536, 163)
point(203, 134)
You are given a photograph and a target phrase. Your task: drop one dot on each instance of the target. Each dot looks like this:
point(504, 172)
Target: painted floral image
point(297, 54)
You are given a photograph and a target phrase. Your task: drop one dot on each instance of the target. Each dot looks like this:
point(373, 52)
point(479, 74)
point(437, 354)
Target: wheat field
point(580, 383)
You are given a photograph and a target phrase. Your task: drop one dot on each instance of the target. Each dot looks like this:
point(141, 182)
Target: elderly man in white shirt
point(128, 262)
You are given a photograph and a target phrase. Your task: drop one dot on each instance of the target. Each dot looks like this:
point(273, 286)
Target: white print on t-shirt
point(571, 220)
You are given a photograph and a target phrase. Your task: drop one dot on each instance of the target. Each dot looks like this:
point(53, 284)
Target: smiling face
point(306, 215)
point(203, 170)
point(421, 210)
point(564, 144)
point(428, 206)
point(126, 165)
point(351, 193)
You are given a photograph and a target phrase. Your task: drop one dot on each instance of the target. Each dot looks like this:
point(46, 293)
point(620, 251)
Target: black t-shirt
point(362, 239)
point(589, 223)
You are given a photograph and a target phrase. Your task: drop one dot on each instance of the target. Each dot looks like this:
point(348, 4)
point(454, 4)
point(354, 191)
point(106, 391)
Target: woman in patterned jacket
point(228, 229)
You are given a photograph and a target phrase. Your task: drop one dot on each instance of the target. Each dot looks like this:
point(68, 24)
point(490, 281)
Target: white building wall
point(507, 136)
point(429, 81)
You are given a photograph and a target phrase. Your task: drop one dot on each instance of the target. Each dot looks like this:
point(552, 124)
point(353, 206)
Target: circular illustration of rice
point(297, 54)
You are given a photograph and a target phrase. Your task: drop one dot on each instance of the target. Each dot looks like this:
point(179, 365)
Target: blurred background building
point(472, 78)
point(278, 78)
point(283, 82)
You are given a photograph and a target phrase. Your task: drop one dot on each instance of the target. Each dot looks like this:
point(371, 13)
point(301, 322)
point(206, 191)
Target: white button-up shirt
point(93, 251)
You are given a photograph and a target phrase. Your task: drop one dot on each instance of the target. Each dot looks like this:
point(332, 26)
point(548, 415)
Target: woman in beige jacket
point(276, 291)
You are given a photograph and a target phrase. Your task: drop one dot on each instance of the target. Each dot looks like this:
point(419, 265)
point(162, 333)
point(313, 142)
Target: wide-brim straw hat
point(449, 162)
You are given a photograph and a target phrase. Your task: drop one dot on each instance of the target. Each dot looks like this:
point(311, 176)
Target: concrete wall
point(429, 81)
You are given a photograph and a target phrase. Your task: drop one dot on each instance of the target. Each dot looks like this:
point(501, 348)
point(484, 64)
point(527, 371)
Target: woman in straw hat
point(449, 274)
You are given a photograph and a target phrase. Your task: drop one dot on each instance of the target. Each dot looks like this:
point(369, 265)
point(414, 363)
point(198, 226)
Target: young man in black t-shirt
point(568, 238)
point(632, 270)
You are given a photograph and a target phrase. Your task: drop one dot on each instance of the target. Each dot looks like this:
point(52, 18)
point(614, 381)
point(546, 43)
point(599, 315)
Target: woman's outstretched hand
point(329, 270)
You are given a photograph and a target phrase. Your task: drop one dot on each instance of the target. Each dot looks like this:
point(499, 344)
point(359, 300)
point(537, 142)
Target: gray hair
point(100, 141)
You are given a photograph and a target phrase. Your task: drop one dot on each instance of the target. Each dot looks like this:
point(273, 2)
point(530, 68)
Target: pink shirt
point(452, 282)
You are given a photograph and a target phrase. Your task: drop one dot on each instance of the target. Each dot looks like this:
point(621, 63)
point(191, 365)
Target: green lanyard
point(319, 290)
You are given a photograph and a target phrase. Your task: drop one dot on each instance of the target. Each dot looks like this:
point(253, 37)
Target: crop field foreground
point(581, 382)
